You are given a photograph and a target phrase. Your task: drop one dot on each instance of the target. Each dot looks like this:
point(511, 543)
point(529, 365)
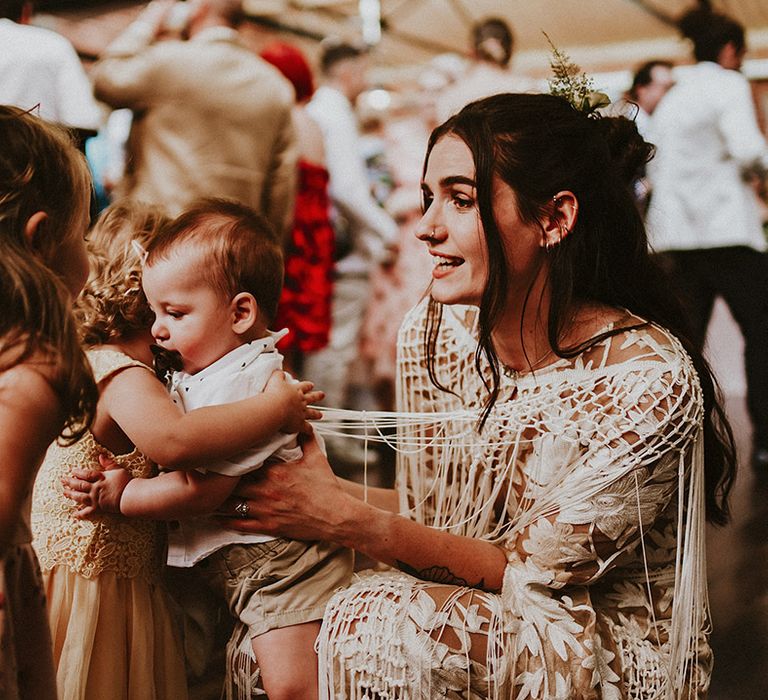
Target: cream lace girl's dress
point(113, 635)
point(589, 473)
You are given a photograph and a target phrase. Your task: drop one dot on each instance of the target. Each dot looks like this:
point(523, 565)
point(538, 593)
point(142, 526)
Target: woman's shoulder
point(626, 341)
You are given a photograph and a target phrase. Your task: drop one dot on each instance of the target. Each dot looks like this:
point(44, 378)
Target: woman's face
point(453, 231)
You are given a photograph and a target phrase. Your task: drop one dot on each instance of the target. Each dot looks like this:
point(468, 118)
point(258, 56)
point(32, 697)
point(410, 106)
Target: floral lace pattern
point(127, 547)
point(590, 474)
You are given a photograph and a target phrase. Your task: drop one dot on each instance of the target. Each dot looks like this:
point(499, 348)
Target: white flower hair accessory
point(573, 84)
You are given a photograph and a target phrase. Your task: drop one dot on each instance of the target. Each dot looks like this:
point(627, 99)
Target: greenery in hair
point(573, 84)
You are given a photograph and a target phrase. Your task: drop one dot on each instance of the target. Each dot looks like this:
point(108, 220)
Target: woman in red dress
point(305, 304)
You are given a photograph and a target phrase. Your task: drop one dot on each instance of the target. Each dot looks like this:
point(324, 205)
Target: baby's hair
point(42, 171)
point(112, 305)
point(239, 250)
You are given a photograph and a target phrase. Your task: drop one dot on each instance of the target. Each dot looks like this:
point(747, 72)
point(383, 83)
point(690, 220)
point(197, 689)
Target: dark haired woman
point(704, 214)
point(550, 535)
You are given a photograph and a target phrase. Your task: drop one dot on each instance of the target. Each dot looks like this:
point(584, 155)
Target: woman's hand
point(96, 492)
point(305, 500)
point(301, 500)
point(296, 397)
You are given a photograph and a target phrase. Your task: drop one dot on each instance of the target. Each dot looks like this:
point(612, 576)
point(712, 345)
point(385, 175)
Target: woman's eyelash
point(463, 200)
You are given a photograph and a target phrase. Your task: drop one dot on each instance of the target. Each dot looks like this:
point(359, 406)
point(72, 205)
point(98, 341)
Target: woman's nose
point(429, 231)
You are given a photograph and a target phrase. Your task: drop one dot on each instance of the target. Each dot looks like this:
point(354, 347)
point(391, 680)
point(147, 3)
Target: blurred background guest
point(704, 214)
point(305, 303)
point(188, 139)
point(651, 81)
point(489, 72)
point(366, 234)
point(40, 68)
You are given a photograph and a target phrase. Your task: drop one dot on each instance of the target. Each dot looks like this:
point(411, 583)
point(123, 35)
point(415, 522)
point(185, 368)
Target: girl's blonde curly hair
point(112, 304)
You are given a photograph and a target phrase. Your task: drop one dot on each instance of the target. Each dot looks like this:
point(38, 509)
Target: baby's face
point(191, 317)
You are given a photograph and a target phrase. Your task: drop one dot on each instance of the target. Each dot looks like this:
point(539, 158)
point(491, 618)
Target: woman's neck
point(521, 341)
point(520, 337)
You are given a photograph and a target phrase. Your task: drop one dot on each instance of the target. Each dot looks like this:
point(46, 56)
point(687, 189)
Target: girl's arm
point(305, 500)
point(139, 404)
point(169, 496)
point(30, 419)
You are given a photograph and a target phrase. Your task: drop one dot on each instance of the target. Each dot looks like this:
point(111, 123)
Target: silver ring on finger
point(242, 507)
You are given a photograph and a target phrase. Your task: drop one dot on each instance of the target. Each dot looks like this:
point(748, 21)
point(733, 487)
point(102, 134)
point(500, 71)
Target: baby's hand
point(96, 492)
point(297, 398)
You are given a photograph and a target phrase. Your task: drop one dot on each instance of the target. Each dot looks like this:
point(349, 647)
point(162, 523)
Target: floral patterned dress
point(589, 473)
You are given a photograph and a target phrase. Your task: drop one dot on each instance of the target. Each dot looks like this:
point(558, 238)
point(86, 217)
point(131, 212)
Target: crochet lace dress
point(589, 473)
point(113, 635)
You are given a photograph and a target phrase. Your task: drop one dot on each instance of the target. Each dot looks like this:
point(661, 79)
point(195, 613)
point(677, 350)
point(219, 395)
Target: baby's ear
point(245, 312)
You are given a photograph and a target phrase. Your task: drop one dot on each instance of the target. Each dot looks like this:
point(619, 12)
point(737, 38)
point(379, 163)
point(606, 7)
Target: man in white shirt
point(41, 67)
point(704, 214)
point(370, 231)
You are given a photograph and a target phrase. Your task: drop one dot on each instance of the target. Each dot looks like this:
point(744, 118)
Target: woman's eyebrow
point(457, 180)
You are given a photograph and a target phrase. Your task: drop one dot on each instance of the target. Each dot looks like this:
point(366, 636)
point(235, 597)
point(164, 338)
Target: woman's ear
point(245, 312)
point(32, 228)
point(562, 218)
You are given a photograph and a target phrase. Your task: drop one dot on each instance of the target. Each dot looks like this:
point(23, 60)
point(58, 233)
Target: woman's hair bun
point(629, 151)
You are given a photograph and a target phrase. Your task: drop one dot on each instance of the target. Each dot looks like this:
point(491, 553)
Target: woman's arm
point(305, 500)
point(139, 404)
point(386, 499)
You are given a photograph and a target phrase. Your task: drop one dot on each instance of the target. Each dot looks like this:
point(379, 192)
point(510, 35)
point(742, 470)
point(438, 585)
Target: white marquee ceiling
point(600, 34)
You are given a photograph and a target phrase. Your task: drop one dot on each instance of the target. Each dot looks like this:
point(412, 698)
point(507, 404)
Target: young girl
point(113, 635)
point(46, 387)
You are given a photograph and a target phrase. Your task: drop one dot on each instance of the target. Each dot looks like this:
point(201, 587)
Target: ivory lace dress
point(113, 635)
point(589, 473)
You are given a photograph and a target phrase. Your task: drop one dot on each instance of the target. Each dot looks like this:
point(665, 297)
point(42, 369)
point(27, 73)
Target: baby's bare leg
point(287, 660)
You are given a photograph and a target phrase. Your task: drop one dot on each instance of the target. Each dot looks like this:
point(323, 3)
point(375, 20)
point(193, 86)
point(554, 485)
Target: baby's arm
point(169, 496)
point(139, 404)
point(30, 418)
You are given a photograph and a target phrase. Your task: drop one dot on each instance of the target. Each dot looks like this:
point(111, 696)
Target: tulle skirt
point(113, 638)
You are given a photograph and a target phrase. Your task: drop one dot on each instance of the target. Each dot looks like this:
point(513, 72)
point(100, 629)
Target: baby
point(213, 279)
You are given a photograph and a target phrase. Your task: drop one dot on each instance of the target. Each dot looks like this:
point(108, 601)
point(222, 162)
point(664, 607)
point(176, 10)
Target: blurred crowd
point(191, 100)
